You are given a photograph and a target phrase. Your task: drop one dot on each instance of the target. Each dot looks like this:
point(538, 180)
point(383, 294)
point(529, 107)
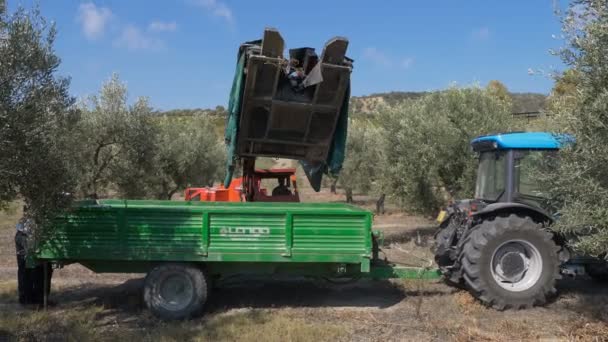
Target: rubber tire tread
point(481, 244)
point(200, 294)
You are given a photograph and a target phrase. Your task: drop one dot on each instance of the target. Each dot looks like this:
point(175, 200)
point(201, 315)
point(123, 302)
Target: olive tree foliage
point(114, 138)
point(35, 117)
point(579, 185)
point(426, 157)
point(498, 90)
point(127, 151)
point(361, 166)
point(189, 152)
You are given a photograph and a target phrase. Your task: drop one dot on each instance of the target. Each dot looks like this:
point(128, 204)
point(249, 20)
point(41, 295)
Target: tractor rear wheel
point(176, 291)
point(510, 263)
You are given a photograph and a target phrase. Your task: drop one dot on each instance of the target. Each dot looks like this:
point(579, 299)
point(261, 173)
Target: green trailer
point(185, 246)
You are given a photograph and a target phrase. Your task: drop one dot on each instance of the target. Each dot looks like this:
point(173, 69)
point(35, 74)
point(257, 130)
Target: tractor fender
point(537, 214)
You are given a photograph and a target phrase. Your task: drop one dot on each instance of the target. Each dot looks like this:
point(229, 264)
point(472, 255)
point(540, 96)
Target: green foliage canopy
point(128, 151)
point(363, 155)
point(35, 116)
point(579, 185)
point(426, 153)
point(113, 138)
point(189, 153)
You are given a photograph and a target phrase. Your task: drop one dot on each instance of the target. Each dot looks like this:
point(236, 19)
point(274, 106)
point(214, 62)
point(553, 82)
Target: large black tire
point(175, 291)
point(443, 256)
point(503, 241)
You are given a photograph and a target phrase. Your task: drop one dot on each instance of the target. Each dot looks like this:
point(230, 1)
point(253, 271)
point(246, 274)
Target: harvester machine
point(294, 108)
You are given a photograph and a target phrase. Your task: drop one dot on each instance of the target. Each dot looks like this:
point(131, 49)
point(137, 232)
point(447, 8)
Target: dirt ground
point(109, 307)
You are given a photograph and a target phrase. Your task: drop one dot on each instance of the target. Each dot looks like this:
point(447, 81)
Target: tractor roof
point(521, 140)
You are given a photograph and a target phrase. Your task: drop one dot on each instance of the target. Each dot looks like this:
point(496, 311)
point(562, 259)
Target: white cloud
point(482, 33)
point(407, 62)
point(376, 56)
point(161, 26)
point(216, 8)
point(93, 19)
point(133, 38)
point(382, 59)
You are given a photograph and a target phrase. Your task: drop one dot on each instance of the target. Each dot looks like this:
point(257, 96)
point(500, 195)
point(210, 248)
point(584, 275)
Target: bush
point(579, 185)
point(362, 164)
point(426, 155)
point(35, 116)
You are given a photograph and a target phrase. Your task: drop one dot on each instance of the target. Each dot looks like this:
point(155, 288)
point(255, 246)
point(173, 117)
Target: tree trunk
point(172, 192)
point(164, 192)
point(349, 195)
point(332, 188)
point(380, 205)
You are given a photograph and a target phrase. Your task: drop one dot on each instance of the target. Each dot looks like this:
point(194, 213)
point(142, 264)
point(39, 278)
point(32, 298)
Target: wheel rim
point(516, 265)
point(176, 292)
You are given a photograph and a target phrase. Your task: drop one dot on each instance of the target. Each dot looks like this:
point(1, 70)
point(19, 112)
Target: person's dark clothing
point(24, 275)
point(30, 281)
point(281, 190)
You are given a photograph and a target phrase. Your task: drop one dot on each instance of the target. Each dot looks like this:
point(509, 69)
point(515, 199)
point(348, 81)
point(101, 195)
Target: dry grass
point(73, 325)
point(251, 325)
point(523, 330)
point(8, 292)
point(512, 330)
point(582, 330)
point(91, 324)
point(467, 304)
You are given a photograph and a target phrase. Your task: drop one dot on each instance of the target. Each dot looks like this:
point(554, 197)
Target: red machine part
point(249, 188)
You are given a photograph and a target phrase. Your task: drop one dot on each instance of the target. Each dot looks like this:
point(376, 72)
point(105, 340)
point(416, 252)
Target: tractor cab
point(508, 163)
point(506, 175)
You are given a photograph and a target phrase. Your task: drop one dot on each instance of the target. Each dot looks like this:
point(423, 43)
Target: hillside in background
point(522, 102)
point(217, 115)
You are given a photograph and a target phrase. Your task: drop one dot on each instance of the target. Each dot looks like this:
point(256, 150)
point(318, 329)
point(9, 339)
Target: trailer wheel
point(510, 263)
point(175, 291)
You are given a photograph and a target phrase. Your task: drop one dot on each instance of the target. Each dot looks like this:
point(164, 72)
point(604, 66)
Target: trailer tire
point(510, 263)
point(176, 291)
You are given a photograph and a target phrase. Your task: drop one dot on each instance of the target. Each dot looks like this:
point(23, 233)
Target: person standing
point(24, 275)
point(30, 281)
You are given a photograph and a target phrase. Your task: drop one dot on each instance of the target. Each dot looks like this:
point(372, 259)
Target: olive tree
point(35, 116)
point(189, 152)
point(360, 168)
point(112, 137)
point(426, 155)
point(579, 185)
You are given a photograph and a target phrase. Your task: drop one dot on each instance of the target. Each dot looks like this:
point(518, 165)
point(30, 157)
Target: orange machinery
point(249, 188)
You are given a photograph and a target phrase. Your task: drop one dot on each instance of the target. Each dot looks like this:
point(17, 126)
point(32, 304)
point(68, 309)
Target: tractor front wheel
point(510, 262)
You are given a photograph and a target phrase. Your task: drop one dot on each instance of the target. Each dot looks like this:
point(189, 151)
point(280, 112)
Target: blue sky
point(181, 53)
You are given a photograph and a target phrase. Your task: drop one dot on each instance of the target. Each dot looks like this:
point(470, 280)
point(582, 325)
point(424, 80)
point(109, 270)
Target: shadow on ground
point(420, 235)
point(585, 297)
point(249, 292)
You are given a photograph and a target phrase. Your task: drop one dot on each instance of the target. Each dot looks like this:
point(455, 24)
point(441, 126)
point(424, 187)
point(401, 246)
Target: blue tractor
point(499, 245)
